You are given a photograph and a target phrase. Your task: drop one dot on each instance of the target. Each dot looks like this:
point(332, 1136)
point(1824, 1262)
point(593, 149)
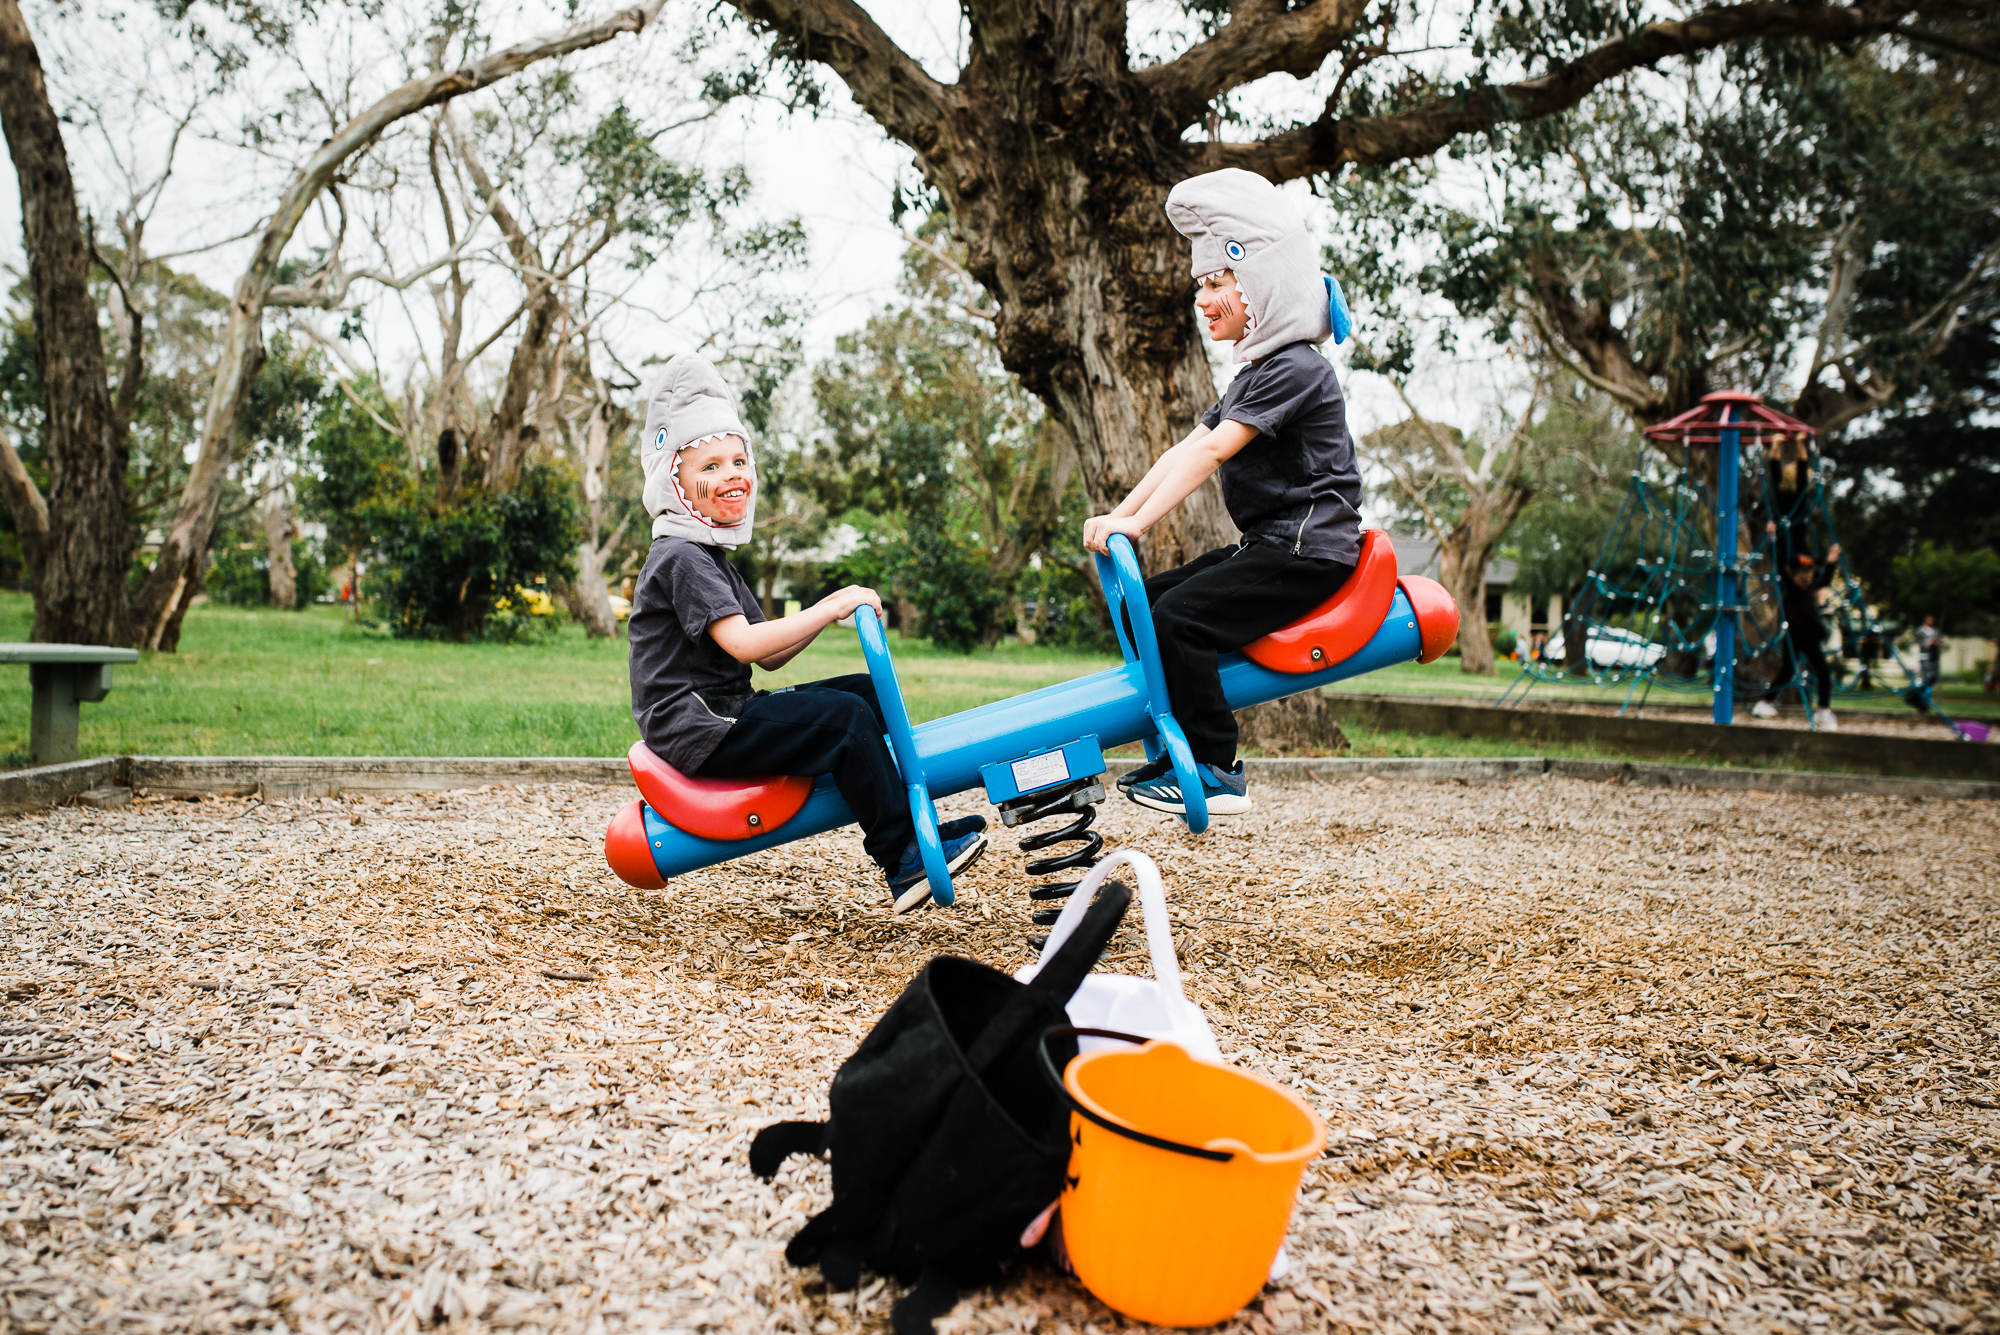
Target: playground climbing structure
point(1667, 604)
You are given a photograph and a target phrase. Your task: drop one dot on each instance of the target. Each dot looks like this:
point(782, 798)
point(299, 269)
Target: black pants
point(825, 727)
point(1814, 654)
point(1222, 601)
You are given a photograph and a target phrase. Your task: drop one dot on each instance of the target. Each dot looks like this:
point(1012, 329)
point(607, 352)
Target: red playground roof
point(1745, 414)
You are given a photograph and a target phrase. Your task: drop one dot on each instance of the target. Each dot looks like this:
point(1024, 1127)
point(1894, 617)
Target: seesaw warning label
point(1040, 771)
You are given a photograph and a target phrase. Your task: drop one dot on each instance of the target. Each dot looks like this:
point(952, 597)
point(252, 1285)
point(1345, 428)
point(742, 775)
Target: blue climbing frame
point(1118, 706)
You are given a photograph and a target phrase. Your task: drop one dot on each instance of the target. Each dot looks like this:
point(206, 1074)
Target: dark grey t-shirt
point(1297, 486)
point(686, 689)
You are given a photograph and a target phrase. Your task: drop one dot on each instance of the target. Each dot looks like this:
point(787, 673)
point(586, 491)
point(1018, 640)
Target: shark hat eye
point(660, 441)
point(1233, 249)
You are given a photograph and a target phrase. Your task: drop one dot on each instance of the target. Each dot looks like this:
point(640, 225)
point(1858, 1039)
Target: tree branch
point(1330, 143)
point(890, 85)
point(1946, 42)
point(24, 501)
point(1262, 37)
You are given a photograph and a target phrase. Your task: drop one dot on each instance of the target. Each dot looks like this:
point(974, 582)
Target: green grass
point(1443, 679)
point(313, 683)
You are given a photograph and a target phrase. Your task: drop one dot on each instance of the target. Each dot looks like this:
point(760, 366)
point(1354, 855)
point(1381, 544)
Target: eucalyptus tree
point(460, 67)
point(1821, 226)
point(1056, 139)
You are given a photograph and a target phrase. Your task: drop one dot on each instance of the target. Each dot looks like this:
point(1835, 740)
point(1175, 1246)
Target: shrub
point(441, 573)
point(240, 575)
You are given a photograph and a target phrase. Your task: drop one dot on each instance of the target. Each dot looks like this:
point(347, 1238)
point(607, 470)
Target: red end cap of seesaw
point(1437, 615)
point(626, 850)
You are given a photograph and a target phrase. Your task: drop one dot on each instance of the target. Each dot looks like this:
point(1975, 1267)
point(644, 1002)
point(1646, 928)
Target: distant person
point(1930, 652)
point(696, 628)
point(1867, 652)
point(1798, 594)
point(1787, 501)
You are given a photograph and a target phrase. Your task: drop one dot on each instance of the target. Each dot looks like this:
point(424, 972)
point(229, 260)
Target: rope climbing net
point(1655, 596)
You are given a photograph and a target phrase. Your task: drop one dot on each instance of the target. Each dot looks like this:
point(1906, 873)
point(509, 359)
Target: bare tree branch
point(162, 601)
point(888, 83)
point(1262, 37)
point(1330, 142)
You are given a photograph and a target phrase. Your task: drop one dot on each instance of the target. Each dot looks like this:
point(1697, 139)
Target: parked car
point(1609, 646)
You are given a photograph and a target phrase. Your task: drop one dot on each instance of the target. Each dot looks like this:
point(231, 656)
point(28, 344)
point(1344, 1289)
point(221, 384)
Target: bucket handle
point(1096, 1118)
point(1153, 908)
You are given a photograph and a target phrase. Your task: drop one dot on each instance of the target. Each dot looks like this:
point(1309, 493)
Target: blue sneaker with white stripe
point(908, 885)
point(1226, 791)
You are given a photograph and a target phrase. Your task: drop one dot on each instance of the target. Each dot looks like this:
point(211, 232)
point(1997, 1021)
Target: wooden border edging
point(275, 777)
point(51, 785)
point(278, 777)
point(1677, 739)
point(1803, 782)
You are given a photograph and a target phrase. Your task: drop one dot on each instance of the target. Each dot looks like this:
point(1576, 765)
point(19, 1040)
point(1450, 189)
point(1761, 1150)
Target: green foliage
point(1589, 455)
point(359, 471)
point(439, 572)
point(1701, 228)
point(929, 435)
point(240, 574)
point(1960, 588)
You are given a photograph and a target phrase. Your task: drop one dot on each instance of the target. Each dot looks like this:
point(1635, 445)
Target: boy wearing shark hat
point(696, 628)
point(1289, 476)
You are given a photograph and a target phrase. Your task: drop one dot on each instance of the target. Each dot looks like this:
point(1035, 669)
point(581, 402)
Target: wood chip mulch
point(1594, 1058)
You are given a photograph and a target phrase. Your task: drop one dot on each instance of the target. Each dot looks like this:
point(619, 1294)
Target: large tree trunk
point(278, 546)
point(77, 538)
point(590, 593)
point(1096, 299)
point(164, 599)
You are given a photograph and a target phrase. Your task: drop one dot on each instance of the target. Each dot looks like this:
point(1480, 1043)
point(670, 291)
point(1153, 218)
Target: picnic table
point(63, 676)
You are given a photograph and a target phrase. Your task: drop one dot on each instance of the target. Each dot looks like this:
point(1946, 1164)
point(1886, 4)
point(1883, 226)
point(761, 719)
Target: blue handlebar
point(1125, 589)
point(903, 745)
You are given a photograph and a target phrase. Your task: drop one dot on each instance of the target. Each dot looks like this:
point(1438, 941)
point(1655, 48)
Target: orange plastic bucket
point(1182, 1176)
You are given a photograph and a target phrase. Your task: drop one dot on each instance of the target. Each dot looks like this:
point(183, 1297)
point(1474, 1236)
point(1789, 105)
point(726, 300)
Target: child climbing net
point(1650, 606)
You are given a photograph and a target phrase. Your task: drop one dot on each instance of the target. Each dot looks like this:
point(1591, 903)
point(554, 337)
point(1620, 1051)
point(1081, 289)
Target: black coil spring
point(1078, 831)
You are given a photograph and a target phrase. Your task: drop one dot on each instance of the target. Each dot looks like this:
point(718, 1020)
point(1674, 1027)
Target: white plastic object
point(1153, 1007)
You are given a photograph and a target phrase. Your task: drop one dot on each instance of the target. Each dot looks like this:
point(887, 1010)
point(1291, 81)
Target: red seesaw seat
point(716, 808)
point(1338, 627)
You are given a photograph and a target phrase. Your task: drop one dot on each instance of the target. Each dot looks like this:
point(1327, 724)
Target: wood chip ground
point(1594, 1058)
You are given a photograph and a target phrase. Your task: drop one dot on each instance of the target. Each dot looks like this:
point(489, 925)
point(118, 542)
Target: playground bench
point(63, 676)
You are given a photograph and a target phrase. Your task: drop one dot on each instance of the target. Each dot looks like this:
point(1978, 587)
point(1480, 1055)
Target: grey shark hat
point(1239, 221)
point(690, 403)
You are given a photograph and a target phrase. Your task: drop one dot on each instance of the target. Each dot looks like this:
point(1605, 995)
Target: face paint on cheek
point(1228, 305)
point(700, 489)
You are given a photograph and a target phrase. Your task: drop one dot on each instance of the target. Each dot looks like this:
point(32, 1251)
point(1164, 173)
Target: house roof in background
point(1419, 556)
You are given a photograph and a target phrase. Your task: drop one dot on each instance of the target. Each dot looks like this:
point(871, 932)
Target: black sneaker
point(1152, 769)
point(908, 886)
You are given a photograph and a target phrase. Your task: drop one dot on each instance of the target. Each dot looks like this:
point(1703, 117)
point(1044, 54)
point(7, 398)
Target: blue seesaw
point(1036, 747)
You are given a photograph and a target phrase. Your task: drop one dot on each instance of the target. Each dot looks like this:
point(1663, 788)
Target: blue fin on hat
point(1336, 309)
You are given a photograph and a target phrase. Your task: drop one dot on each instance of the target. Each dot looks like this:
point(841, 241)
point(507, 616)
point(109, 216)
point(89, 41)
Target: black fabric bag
point(945, 1137)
